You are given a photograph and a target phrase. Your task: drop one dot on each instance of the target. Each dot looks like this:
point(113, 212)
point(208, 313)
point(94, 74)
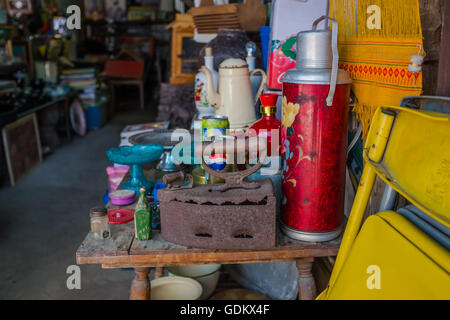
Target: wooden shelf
point(127, 22)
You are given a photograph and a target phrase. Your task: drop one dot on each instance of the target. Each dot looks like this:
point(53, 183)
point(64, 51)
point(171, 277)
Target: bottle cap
point(250, 48)
point(268, 104)
point(208, 52)
point(98, 212)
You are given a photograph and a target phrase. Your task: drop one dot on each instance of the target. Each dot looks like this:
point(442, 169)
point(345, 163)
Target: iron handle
point(233, 179)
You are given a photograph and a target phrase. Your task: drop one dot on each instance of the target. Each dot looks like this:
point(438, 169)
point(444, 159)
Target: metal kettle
point(234, 98)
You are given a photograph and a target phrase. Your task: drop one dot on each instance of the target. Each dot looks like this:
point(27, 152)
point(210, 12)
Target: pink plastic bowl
point(122, 197)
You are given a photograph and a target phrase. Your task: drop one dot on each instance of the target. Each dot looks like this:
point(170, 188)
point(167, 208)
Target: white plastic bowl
point(175, 288)
point(206, 274)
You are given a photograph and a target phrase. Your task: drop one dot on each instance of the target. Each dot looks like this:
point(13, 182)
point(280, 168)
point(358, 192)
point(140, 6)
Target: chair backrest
point(428, 103)
point(410, 150)
point(416, 160)
point(125, 69)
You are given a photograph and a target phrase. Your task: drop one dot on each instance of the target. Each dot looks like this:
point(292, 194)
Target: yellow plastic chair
point(393, 256)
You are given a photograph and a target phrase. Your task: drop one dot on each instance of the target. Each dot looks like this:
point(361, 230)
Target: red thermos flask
point(314, 138)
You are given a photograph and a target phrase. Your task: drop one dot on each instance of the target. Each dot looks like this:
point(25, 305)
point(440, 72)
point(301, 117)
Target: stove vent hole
point(243, 236)
point(203, 235)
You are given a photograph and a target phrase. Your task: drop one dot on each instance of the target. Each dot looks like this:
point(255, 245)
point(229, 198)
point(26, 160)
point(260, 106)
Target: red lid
point(268, 99)
point(118, 216)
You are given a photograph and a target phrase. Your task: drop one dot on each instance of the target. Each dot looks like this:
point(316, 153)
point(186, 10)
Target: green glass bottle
point(142, 217)
point(142, 226)
point(142, 202)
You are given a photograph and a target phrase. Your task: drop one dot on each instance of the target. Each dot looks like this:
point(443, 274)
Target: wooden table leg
point(159, 272)
point(306, 284)
point(142, 95)
point(140, 287)
point(112, 103)
point(67, 119)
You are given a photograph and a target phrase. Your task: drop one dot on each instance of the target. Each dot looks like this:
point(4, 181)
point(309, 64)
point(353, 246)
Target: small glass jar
point(99, 223)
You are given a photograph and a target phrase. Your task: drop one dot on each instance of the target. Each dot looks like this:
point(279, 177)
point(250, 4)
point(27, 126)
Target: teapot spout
point(212, 96)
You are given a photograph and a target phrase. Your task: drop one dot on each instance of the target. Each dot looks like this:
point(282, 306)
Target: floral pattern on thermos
point(313, 150)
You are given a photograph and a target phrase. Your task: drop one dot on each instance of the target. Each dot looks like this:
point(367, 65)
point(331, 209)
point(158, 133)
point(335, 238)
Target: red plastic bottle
point(264, 126)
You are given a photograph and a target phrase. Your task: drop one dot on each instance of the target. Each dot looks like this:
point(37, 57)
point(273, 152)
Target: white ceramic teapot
point(201, 103)
point(234, 98)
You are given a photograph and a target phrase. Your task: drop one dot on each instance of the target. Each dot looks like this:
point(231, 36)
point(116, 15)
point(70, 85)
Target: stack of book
point(142, 13)
point(83, 80)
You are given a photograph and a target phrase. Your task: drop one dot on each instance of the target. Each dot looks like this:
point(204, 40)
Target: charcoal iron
point(237, 214)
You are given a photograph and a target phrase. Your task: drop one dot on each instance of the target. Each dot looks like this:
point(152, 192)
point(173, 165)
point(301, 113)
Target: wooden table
point(64, 99)
point(123, 251)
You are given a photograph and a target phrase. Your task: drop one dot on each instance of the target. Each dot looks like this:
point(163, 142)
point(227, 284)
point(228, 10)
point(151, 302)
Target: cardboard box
point(289, 17)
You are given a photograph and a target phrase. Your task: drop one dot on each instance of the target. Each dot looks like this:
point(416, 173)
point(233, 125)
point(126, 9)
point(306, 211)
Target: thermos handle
point(261, 86)
point(334, 49)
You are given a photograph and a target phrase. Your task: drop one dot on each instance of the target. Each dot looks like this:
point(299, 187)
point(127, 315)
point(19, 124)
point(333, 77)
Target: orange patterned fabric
point(377, 39)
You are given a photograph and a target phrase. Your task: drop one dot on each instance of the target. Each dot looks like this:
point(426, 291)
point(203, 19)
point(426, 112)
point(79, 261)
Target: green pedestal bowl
point(135, 156)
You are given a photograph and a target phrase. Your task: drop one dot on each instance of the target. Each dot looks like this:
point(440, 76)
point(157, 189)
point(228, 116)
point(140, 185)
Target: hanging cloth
point(380, 45)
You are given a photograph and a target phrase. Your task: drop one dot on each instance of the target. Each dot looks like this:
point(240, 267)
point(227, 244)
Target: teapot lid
point(233, 63)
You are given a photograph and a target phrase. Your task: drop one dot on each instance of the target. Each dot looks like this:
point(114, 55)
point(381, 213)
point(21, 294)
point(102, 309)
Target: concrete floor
point(45, 217)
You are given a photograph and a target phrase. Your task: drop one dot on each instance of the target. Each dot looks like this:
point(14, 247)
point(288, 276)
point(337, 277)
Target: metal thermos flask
point(314, 138)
